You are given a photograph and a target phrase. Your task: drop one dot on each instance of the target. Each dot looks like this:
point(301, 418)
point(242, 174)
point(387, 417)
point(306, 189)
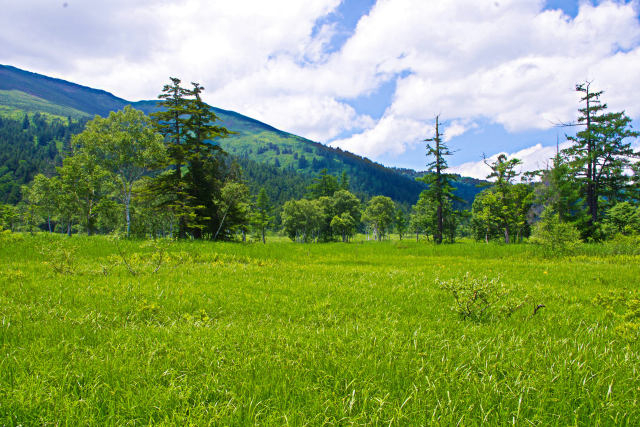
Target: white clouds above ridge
point(508, 62)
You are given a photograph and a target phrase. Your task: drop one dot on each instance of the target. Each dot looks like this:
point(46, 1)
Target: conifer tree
point(188, 125)
point(440, 190)
point(261, 217)
point(344, 181)
point(324, 185)
point(170, 121)
point(600, 151)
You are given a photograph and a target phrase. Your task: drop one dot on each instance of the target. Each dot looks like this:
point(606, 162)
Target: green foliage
point(379, 215)
point(482, 299)
point(440, 189)
point(422, 215)
point(322, 219)
point(600, 153)
point(260, 217)
point(400, 223)
point(624, 308)
point(623, 218)
point(503, 209)
point(344, 226)
point(302, 219)
point(125, 146)
point(556, 236)
point(235, 205)
point(9, 217)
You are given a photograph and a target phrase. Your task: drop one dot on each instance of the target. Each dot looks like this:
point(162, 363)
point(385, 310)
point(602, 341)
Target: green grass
point(14, 104)
point(285, 333)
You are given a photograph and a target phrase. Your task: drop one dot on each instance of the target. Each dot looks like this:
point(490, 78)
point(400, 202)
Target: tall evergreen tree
point(206, 168)
point(188, 125)
point(170, 121)
point(600, 151)
point(440, 190)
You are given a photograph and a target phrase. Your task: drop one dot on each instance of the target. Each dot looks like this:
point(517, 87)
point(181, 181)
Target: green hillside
point(15, 103)
point(60, 92)
point(252, 141)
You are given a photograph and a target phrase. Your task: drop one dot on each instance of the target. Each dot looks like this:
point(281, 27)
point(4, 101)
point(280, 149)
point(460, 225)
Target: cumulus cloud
point(533, 158)
point(507, 62)
point(457, 128)
point(383, 137)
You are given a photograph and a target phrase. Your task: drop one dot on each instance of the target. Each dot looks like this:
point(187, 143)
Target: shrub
point(480, 299)
point(60, 257)
point(623, 218)
point(555, 235)
point(624, 308)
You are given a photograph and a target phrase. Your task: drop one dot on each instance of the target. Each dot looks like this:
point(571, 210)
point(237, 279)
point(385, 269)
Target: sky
point(368, 76)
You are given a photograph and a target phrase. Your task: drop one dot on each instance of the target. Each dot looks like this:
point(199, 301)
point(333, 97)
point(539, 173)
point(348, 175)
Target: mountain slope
point(251, 140)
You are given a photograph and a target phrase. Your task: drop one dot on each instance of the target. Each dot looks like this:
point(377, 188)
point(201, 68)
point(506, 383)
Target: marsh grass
point(285, 333)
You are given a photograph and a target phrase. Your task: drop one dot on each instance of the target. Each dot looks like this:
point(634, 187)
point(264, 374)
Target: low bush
point(556, 236)
point(481, 299)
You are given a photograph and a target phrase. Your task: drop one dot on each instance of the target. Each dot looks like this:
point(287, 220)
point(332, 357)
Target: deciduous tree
point(379, 215)
point(125, 145)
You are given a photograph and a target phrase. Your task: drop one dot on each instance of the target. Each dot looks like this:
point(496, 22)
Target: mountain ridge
point(252, 141)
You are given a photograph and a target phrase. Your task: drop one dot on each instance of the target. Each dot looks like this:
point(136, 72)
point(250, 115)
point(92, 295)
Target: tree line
point(166, 175)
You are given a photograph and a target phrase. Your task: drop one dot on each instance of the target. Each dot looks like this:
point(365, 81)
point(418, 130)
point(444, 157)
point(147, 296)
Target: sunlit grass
point(288, 333)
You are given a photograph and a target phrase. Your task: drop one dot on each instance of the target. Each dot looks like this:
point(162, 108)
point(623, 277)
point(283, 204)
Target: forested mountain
point(282, 162)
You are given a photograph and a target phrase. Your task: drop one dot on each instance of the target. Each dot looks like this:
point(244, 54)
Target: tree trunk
point(592, 200)
point(438, 237)
point(506, 234)
point(127, 204)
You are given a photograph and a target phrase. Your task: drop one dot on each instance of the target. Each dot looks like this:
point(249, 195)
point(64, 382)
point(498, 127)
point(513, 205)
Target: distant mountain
point(253, 143)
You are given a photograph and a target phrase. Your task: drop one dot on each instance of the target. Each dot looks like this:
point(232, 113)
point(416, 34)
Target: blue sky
point(367, 76)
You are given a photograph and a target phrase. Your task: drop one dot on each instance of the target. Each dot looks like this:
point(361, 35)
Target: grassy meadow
point(99, 332)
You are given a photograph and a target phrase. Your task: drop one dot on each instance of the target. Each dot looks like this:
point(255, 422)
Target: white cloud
point(382, 138)
point(317, 118)
point(533, 158)
point(457, 128)
point(506, 62)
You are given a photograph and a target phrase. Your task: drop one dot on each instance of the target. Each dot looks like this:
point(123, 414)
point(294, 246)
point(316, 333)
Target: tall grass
point(295, 334)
